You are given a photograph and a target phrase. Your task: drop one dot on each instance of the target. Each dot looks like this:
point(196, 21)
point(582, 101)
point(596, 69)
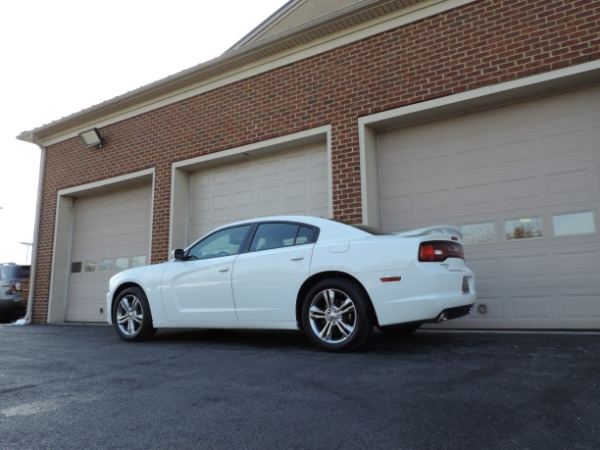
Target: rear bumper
point(424, 293)
point(452, 313)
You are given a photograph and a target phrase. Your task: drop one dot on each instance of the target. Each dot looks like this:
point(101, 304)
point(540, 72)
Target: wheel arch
point(314, 279)
point(118, 291)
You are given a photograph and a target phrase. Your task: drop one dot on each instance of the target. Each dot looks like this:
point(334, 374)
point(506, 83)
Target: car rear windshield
point(371, 230)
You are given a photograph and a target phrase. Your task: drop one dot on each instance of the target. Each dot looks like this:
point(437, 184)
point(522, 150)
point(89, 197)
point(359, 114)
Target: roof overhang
point(361, 20)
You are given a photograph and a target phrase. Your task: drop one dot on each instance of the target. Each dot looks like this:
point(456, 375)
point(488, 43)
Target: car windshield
point(221, 243)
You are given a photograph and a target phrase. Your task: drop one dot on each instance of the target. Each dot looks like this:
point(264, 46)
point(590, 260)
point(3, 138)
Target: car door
point(197, 289)
point(266, 279)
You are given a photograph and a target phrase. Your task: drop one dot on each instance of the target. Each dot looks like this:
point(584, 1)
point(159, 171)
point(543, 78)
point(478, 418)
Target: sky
point(59, 57)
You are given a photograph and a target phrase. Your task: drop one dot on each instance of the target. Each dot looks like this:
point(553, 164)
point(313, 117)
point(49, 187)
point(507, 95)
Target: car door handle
point(224, 269)
point(298, 258)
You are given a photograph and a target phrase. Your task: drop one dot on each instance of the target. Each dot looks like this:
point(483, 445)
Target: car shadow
point(422, 341)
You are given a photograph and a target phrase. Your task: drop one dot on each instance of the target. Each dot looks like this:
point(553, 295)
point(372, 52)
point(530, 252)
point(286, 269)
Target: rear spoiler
point(447, 230)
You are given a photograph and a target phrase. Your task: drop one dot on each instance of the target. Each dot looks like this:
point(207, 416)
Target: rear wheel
point(131, 315)
point(335, 315)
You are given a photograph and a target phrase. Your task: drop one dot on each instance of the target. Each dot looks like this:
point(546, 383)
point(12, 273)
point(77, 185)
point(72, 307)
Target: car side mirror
point(179, 254)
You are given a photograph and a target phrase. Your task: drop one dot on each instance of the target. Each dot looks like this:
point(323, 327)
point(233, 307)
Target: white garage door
point(294, 182)
point(111, 233)
point(523, 182)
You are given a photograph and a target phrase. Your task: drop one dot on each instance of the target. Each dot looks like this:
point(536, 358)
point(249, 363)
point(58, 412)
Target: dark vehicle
point(12, 303)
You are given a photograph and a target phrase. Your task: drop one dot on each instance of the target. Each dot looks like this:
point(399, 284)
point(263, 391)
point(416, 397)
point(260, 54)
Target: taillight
point(437, 251)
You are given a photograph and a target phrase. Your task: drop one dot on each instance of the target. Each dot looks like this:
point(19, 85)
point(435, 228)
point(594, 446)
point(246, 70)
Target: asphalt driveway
point(80, 386)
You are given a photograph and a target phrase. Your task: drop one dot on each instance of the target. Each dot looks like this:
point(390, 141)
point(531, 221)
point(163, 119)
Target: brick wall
point(483, 43)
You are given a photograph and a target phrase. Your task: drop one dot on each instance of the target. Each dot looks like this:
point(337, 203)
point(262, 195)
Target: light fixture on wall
point(92, 138)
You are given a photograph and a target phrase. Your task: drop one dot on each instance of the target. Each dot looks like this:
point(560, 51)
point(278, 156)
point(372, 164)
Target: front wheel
point(335, 316)
point(131, 315)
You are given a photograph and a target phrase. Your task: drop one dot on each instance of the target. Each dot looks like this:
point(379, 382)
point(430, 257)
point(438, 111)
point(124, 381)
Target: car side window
point(277, 235)
point(305, 235)
point(221, 243)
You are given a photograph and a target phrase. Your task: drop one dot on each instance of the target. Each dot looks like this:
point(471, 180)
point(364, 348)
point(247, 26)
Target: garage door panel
point(244, 173)
point(268, 194)
point(479, 195)
point(295, 190)
point(570, 181)
point(510, 174)
point(526, 269)
point(472, 160)
point(293, 182)
point(564, 143)
point(107, 227)
point(581, 306)
point(578, 263)
point(513, 154)
point(437, 200)
point(222, 201)
point(522, 188)
point(294, 164)
point(319, 187)
point(432, 166)
point(244, 198)
point(532, 308)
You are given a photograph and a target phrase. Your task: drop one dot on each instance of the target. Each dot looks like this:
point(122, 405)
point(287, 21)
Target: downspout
point(36, 236)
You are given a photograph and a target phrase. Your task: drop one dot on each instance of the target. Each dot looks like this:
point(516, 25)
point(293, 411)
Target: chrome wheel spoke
point(332, 316)
point(329, 296)
point(326, 332)
point(316, 313)
point(344, 328)
point(129, 315)
point(347, 307)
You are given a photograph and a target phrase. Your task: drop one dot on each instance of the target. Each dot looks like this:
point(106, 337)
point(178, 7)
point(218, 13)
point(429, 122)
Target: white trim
point(63, 234)
point(509, 92)
point(107, 185)
point(180, 172)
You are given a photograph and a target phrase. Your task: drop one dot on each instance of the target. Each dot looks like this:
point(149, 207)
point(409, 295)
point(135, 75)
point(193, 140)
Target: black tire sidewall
point(364, 324)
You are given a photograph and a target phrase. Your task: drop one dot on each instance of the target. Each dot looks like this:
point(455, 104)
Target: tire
point(401, 330)
point(131, 316)
point(335, 316)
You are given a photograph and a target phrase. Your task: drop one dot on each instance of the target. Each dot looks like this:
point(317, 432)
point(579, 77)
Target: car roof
point(330, 230)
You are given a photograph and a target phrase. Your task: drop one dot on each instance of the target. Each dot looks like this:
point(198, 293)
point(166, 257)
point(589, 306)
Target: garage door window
point(122, 263)
point(524, 228)
point(574, 224)
point(479, 233)
point(138, 261)
point(105, 265)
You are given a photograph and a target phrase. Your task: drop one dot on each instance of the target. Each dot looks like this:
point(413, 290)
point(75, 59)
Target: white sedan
point(331, 280)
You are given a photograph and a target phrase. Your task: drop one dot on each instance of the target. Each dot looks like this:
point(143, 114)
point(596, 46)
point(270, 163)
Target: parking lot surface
point(80, 386)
